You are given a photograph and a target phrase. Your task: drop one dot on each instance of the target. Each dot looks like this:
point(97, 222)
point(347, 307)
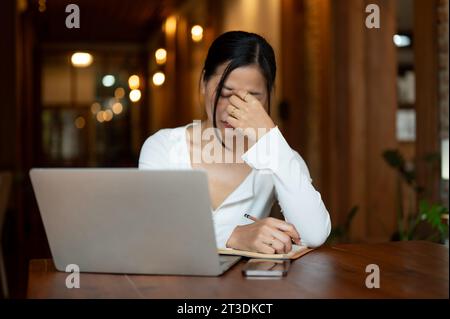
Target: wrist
point(231, 242)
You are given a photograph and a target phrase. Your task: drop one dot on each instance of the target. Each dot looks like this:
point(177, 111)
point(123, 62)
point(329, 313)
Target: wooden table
point(413, 269)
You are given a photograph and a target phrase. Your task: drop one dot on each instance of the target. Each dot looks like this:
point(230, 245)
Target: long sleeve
point(223, 233)
point(154, 153)
point(301, 204)
point(164, 150)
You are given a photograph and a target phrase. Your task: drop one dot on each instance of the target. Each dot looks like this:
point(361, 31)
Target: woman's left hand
point(247, 114)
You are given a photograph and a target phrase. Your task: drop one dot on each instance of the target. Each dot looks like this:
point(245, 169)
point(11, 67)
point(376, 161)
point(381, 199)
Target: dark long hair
point(239, 48)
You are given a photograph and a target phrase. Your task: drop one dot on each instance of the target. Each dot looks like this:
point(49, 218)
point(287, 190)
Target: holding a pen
point(268, 235)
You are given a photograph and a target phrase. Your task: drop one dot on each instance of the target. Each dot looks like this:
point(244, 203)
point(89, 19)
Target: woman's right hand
point(268, 235)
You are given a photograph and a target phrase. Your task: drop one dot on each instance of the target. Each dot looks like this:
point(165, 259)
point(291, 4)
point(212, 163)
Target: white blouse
point(278, 172)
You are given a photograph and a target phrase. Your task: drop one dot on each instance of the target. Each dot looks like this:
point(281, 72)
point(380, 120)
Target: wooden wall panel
point(339, 79)
point(292, 65)
point(18, 142)
point(347, 116)
point(427, 95)
point(381, 106)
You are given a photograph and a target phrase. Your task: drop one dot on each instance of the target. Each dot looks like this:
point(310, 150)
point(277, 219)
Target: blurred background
point(367, 108)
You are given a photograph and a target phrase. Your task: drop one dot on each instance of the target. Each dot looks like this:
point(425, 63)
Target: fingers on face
point(243, 95)
point(238, 102)
point(232, 111)
point(246, 96)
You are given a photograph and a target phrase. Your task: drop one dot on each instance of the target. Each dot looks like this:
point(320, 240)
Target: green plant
point(429, 213)
point(341, 233)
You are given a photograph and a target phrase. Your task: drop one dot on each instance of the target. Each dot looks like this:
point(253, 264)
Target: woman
point(236, 86)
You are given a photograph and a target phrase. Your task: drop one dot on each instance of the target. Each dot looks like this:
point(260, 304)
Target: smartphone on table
point(266, 268)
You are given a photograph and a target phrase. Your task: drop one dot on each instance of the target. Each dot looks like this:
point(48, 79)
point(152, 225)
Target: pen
point(251, 217)
point(256, 219)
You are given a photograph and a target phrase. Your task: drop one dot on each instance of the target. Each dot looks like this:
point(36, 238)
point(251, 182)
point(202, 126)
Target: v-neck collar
point(240, 193)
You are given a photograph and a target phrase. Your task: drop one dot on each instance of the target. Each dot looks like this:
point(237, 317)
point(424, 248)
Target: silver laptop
point(129, 221)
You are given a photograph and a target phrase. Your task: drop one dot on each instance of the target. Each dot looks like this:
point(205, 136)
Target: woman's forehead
point(247, 78)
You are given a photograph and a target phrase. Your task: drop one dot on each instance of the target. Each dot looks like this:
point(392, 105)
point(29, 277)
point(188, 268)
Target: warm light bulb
point(197, 33)
point(133, 82)
point(100, 116)
point(161, 56)
point(107, 115)
point(135, 95)
point(81, 59)
point(80, 122)
point(95, 108)
point(117, 108)
point(158, 78)
point(170, 25)
point(119, 93)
